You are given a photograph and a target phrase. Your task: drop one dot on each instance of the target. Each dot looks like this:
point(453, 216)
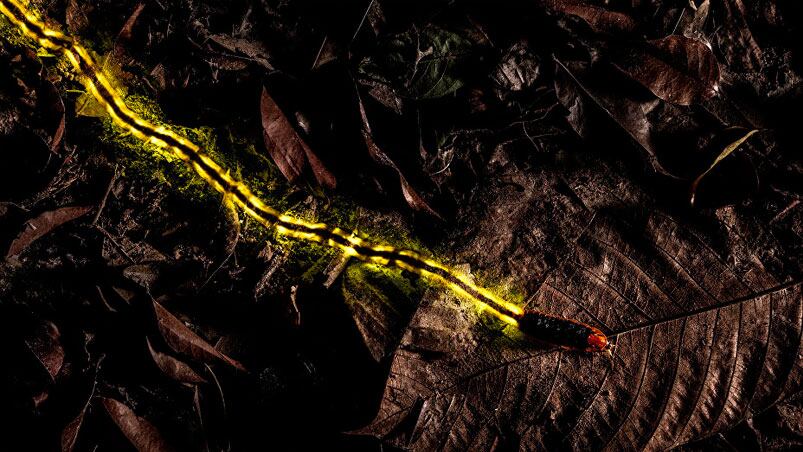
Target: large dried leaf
point(677, 69)
point(42, 225)
point(141, 433)
point(288, 150)
point(689, 361)
point(183, 340)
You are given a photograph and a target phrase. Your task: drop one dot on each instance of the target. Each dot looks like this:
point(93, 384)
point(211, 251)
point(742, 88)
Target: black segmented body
point(556, 330)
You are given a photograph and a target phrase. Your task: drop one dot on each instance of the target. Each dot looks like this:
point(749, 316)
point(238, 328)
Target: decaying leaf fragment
point(69, 436)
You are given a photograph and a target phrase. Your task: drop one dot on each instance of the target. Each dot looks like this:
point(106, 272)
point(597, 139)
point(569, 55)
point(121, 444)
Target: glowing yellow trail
point(564, 332)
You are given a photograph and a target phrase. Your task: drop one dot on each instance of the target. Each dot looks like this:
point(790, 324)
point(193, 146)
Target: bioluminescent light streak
point(566, 333)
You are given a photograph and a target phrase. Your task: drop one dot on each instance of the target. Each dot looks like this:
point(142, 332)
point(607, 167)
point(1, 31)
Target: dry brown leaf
point(290, 153)
point(183, 340)
point(42, 225)
point(598, 18)
point(254, 50)
point(45, 344)
point(69, 436)
point(707, 322)
point(576, 83)
point(174, 368)
point(141, 433)
point(677, 69)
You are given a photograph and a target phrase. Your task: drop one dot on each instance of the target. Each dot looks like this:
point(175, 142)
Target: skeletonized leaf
point(42, 225)
point(174, 368)
point(290, 153)
point(183, 340)
point(141, 433)
point(677, 69)
point(725, 152)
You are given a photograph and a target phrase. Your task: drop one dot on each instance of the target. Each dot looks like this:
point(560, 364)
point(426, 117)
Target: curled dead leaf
point(52, 105)
point(128, 28)
point(411, 196)
point(290, 153)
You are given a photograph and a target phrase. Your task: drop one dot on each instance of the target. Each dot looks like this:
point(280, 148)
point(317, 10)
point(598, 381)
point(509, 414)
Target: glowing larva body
point(563, 332)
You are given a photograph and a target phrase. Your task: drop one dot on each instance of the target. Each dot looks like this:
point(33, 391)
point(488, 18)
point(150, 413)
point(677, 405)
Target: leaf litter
point(557, 141)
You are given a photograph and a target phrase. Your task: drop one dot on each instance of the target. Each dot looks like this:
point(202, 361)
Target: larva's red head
point(598, 341)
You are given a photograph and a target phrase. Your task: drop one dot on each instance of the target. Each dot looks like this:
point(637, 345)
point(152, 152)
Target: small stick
point(105, 197)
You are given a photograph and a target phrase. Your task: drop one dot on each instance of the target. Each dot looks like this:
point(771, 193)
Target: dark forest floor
point(550, 148)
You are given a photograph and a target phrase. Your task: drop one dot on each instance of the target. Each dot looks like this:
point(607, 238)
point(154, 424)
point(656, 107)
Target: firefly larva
point(559, 331)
